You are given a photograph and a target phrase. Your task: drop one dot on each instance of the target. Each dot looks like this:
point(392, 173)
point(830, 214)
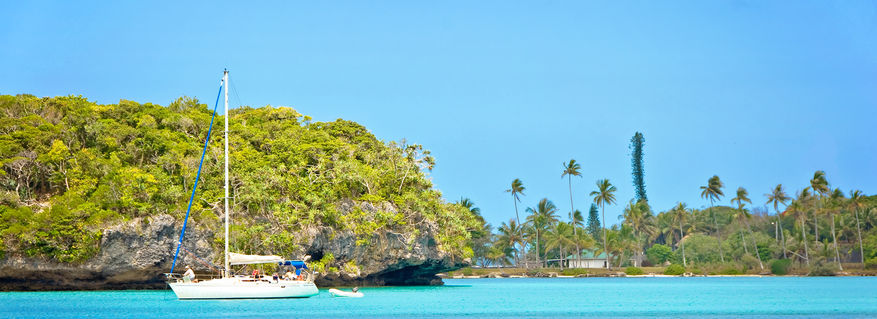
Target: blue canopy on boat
point(298, 264)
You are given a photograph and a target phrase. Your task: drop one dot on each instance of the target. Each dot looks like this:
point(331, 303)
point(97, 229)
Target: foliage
point(70, 167)
point(701, 248)
point(593, 225)
point(633, 271)
point(659, 254)
point(321, 266)
point(636, 166)
point(780, 266)
point(823, 269)
point(674, 270)
point(730, 271)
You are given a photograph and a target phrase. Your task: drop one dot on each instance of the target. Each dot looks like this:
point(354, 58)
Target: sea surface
point(769, 297)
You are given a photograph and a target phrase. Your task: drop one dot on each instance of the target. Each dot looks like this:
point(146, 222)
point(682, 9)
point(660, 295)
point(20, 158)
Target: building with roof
point(587, 260)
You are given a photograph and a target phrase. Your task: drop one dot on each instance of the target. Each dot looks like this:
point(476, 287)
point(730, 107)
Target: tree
point(855, 203)
point(621, 240)
point(516, 189)
point(659, 254)
point(636, 162)
point(480, 236)
point(777, 197)
point(571, 169)
point(742, 215)
point(540, 218)
point(713, 192)
point(559, 237)
point(605, 194)
point(835, 203)
point(512, 234)
point(594, 223)
point(417, 157)
point(680, 215)
point(797, 209)
point(819, 185)
point(638, 216)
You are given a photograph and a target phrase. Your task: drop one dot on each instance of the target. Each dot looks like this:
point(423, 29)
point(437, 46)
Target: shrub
point(780, 266)
point(658, 254)
point(467, 271)
point(871, 263)
point(575, 271)
point(633, 271)
point(674, 270)
point(730, 271)
point(823, 269)
point(749, 262)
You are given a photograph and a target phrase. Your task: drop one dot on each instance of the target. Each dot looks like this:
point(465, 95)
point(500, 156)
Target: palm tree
point(605, 194)
point(664, 229)
point(470, 205)
point(622, 240)
point(560, 236)
point(512, 234)
point(777, 197)
point(578, 219)
point(856, 202)
point(680, 214)
point(517, 189)
point(571, 169)
point(497, 256)
point(641, 221)
point(713, 192)
point(835, 202)
point(540, 218)
point(820, 188)
point(743, 215)
point(797, 208)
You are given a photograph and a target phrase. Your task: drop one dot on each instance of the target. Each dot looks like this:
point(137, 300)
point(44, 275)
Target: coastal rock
point(136, 254)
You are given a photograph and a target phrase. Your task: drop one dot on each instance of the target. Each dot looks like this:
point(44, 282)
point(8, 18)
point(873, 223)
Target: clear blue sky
point(758, 92)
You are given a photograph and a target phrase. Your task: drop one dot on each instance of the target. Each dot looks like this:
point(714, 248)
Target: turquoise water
point(825, 297)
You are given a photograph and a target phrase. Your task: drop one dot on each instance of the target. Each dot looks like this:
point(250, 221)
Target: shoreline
point(648, 276)
point(644, 272)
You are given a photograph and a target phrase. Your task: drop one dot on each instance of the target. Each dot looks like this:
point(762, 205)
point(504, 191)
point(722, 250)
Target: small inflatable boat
point(342, 293)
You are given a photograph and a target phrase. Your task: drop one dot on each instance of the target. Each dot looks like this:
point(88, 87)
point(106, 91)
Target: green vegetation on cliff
point(71, 168)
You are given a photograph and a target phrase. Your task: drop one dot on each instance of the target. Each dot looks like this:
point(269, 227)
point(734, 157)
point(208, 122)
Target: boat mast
point(225, 82)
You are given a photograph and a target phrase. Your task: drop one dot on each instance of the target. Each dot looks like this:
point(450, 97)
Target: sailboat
point(229, 286)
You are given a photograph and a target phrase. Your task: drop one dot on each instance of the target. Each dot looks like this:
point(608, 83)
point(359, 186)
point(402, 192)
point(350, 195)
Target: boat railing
point(176, 277)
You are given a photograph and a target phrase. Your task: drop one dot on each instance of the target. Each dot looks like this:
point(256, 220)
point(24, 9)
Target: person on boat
point(289, 275)
point(355, 289)
point(276, 278)
point(256, 274)
point(189, 275)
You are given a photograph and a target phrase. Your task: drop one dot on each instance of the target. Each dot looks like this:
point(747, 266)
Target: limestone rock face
point(137, 253)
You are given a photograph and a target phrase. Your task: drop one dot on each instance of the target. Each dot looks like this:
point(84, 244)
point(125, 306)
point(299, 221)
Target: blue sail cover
point(298, 264)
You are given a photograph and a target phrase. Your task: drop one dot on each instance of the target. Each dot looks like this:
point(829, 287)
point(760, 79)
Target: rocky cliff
point(92, 196)
point(135, 254)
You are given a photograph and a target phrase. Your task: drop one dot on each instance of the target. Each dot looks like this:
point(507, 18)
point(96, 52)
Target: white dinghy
point(341, 293)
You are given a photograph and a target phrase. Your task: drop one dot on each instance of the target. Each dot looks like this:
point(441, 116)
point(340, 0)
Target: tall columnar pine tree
point(636, 165)
point(594, 223)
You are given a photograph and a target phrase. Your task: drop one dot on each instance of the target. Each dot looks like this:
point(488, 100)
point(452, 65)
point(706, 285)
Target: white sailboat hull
point(236, 288)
